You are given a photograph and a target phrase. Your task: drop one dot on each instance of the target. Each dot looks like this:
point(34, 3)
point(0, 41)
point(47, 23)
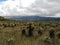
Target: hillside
point(4, 19)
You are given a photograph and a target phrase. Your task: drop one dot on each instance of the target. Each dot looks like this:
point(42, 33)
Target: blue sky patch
point(2, 0)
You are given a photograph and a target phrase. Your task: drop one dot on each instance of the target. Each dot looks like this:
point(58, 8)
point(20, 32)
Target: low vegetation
point(29, 33)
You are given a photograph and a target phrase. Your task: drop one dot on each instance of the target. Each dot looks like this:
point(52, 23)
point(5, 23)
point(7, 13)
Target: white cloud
point(12, 7)
point(31, 7)
point(50, 7)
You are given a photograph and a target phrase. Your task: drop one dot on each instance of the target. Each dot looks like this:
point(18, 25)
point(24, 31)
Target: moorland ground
point(18, 33)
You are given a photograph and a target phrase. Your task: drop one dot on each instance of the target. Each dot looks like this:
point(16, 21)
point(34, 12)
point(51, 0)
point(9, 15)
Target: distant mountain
point(32, 18)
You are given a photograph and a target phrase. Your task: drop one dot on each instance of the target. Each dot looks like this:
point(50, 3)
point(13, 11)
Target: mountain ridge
point(33, 18)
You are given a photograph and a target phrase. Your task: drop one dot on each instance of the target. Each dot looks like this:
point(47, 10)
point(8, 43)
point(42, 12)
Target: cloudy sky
point(50, 8)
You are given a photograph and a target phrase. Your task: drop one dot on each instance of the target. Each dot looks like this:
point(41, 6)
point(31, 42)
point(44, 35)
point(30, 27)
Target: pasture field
point(29, 33)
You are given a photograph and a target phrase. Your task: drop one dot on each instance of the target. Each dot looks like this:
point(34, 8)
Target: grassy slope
point(4, 19)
